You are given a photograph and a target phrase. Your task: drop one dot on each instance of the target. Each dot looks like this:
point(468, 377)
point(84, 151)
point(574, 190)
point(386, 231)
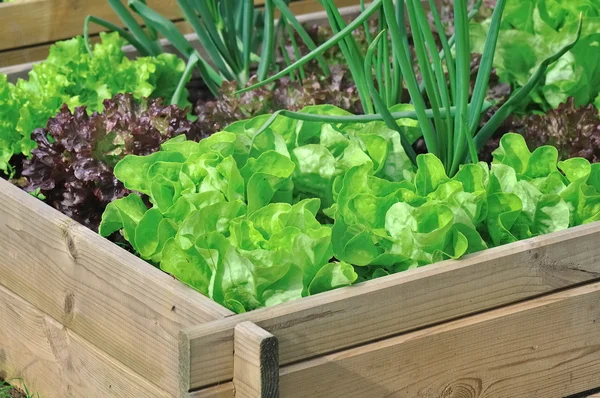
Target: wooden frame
point(382, 309)
point(93, 319)
point(80, 317)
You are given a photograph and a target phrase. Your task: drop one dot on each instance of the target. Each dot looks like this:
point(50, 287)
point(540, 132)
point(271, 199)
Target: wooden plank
point(58, 363)
point(399, 303)
point(24, 55)
point(224, 390)
point(40, 52)
point(255, 362)
point(31, 22)
point(116, 301)
point(547, 347)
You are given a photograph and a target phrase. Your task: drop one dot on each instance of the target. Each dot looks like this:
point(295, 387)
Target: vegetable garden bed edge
point(82, 317)
point(387, 307)
point(77, 304)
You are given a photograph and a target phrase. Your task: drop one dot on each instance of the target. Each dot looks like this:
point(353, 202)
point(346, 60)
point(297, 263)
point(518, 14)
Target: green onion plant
point(451, 126)
point(237, 38)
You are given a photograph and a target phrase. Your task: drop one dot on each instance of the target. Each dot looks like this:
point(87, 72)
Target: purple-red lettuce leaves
point(71, 76)
point(72, 165)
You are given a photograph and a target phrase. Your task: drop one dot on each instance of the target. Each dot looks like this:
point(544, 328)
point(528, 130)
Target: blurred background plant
point(532, 30)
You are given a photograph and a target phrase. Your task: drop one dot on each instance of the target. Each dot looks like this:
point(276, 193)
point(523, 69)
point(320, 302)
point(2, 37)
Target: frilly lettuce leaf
point(256, 220)
point(9, 114)
point(71, 76)
point(236, 216)
point(532, 30)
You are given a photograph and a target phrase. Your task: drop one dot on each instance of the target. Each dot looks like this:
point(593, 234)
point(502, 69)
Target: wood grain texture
point(224, 390)
point(117, 302)
point(10, 60)
point(399, 303)
point(31, 22)
point(56, 362)
point(22, 56)
point(547, 347)
point(255, 362)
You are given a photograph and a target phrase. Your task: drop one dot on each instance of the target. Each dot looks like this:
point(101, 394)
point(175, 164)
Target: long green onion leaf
point(485, 67)
point(171, 33)
point(247, 38)
point(152, 47)
point(387, 73)
point(350, 52)
point(296, 49)
point(322, 48)
point(286, 57)
point(266, 59)
point(164, 26)
point(400, 43)
point(289, 16)
point(397, 77)
point(366, 24)
point(380, 105)
point(185, 77)
point(463, 68)
point(446, 52)
point(152, 34)
point(424, 63)
point(228, 33)
point(206, 41)
point(208, 18)
point(452, 38)
point(440, 76)
point(110, 26)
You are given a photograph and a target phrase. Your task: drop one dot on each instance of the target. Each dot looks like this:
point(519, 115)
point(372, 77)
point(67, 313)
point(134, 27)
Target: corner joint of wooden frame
point(256, 362)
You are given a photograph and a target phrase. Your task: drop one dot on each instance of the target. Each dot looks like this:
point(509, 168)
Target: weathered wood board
point(56, 362)
point(104, 295)
point(399, 303)
point(546, 347)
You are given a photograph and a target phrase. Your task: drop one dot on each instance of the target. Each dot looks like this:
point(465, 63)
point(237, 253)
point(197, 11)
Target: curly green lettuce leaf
point(246, 218)
point(531, 31)
point(9, 114)
point(71, 76)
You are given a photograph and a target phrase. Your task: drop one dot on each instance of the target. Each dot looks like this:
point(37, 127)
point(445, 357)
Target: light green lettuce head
point(254, 220)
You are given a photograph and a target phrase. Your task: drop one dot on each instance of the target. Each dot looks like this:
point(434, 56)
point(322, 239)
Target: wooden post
point(255, 363)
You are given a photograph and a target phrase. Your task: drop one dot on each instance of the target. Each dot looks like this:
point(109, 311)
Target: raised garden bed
point(81, 317)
